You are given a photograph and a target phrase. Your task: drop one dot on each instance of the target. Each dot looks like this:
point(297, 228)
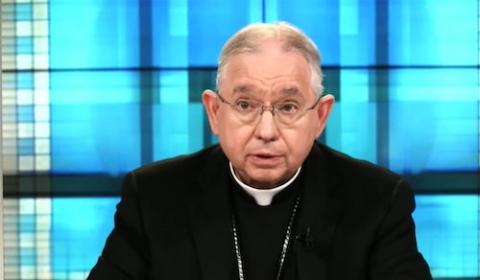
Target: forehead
point(270, 68)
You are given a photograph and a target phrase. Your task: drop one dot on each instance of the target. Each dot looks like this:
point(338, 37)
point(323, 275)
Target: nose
point(266, 129)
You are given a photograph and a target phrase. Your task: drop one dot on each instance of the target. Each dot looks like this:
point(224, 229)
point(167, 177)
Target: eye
point(244, 106)
point(288, 108)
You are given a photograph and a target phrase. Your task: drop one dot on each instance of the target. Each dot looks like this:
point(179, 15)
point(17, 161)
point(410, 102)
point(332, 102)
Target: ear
point(209, 100)
point(323, 112)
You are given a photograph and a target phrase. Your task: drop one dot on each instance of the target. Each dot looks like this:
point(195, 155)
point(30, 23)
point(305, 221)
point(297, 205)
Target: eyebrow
point(290, 91)
point(252, 91)
point(243, 89)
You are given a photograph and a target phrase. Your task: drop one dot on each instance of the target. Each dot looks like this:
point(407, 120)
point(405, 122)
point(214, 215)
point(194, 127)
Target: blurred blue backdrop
point(94, 88)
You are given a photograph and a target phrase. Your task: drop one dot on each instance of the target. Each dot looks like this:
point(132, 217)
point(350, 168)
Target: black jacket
point(174, 222)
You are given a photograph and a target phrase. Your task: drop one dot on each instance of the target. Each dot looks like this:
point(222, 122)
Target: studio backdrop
point(94, 88)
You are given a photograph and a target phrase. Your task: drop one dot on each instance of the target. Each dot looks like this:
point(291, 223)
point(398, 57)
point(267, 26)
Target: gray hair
point(250, 37)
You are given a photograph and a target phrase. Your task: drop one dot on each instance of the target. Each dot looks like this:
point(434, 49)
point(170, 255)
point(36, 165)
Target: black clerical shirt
point(262, 231)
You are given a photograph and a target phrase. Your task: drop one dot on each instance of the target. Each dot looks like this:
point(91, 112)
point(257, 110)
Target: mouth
point(266, 160)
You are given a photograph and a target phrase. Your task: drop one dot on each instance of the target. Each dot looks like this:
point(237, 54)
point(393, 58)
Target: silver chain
point(285, 244)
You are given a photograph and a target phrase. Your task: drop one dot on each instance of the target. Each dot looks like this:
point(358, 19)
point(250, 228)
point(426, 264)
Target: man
point(268, 202)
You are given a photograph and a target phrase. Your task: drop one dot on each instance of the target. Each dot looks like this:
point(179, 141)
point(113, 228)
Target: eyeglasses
point(286, 112)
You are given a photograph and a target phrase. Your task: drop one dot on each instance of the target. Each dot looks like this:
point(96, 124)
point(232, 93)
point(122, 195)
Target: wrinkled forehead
point(284, 87)
point(281, 73)
point(257, 88)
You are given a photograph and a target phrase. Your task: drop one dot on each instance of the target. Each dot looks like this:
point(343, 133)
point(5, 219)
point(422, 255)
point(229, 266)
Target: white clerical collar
point(263, 197)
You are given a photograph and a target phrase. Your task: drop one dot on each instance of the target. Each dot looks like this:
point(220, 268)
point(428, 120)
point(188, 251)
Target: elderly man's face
point(266, 152)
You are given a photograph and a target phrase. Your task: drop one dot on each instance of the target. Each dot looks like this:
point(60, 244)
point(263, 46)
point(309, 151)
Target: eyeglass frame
point(271, 108)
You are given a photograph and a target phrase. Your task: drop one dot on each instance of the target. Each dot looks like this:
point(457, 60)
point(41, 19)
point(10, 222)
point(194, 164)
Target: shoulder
point(175, 173)
point(356, 169)
point(376, 217)
point(172, 166)
point(359, 178)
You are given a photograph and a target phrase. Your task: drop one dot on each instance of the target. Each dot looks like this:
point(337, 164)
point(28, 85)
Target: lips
point(265, 160)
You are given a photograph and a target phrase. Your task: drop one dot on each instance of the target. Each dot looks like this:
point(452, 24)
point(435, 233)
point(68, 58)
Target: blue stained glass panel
point(26, 146)
point(447, 234)
point(23, 11)
point(79, 229)
point(25, 113)
point(27, 223)
point(95, 122)
point(24, 45)
point(211, 23)
point(394, 88)
point(433, 117)
point(177, 124)
point(182, 134)
point(352, 125)
point(431, 32)
point(94, 34)
point(325, 32)
point(27, 256)
point(24, 80)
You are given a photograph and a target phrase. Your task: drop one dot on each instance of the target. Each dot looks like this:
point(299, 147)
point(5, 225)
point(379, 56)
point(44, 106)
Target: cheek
point(233, 136)
point(299, 142)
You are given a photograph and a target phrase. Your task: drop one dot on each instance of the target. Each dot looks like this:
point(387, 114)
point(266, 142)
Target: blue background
point(126, 78)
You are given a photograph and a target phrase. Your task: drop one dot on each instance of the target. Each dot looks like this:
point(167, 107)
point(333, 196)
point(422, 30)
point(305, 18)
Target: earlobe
point(209, 100)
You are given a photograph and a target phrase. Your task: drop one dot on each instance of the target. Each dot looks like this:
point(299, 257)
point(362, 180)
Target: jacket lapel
point(319, 214)
point(211, 220)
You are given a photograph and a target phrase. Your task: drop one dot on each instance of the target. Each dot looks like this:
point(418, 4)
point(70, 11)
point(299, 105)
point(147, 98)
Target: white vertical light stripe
point(24, 97)
point(349, 17)
point(271, 10)
point(23, 28)
point(40, 61)
point(42, 146)
point(26, 163)
point(255, 11)
point(42, 80)
point(178, 17)
point(40, 28)
point(40, 11)
point(24, 61)
point(42, 163)
point(40, 44)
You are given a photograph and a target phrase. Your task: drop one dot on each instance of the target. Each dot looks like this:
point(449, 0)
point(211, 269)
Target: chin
point(265, 179)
